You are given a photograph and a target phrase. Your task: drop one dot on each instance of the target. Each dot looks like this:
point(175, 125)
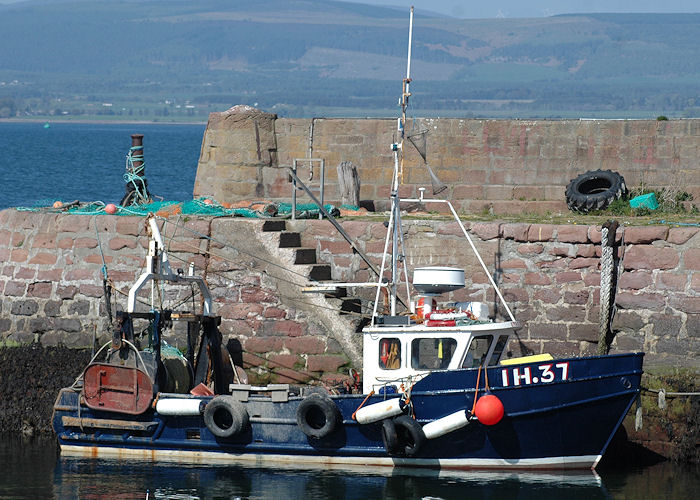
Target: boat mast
point(398, 173)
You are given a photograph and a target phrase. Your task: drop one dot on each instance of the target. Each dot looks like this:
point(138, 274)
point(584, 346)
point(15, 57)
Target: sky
point(479, 9)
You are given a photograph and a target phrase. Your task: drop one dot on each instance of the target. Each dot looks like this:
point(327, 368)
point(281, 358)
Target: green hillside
point(179, 60)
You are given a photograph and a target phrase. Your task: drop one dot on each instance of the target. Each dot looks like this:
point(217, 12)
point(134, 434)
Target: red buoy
point(489, 409)
point(111, 208)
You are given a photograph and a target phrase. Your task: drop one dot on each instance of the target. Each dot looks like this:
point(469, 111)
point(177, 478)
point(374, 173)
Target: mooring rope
point(662, 393)
point(607, 293)
point(133, 176)
point(661, 401)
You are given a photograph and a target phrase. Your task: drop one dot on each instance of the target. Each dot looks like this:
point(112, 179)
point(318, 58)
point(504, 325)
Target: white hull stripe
point(211, 457)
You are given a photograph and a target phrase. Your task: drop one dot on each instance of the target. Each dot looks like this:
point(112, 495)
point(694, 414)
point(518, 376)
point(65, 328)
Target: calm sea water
point(85, 162)
point(31, 468)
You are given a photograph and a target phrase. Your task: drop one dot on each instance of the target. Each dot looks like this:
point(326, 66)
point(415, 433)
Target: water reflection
point(32, 469)
point(98, 479)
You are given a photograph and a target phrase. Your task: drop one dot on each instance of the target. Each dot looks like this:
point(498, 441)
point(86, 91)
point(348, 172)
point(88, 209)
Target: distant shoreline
point(98, 122)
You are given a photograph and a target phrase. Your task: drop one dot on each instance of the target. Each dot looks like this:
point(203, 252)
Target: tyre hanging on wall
point(318, 416)
point(595, 190)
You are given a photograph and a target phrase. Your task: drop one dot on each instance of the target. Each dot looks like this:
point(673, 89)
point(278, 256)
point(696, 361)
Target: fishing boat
point(437, 390)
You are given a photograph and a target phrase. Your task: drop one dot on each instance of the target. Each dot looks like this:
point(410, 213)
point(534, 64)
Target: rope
point(363, 302)
point(486, 377)
point(670, 393)
point(134, 176)
point(222, 275)
point(607, 293)
point(662, 393)
point(476, 391)
point(371, 393)
point(661, 401)
point(106, 285)
point(605, 284)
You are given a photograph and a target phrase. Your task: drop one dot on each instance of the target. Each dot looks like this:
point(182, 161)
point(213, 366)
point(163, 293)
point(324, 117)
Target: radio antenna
point(406, 92)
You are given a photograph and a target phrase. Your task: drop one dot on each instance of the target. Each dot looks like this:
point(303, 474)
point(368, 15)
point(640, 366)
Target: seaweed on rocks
point(30, 378)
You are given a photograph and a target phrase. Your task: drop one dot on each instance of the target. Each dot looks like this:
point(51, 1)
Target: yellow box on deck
point(527, 359)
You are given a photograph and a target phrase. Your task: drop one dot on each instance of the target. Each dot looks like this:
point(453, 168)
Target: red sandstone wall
point(51, 282)
point(550, 276)
point(497, 165)
point(51, 286)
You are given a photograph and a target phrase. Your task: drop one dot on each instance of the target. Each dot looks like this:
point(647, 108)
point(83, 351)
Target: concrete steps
point(307, 257)
point(333, 310)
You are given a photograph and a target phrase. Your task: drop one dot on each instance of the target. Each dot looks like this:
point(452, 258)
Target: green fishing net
point(198, 206)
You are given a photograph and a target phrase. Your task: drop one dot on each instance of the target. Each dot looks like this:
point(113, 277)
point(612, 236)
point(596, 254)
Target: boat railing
point(471, 244)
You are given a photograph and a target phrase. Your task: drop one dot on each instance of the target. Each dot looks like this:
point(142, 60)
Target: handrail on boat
point(471, 243)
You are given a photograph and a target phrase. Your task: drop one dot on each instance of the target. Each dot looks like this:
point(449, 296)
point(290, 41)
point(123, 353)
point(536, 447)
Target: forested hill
point(320, 58)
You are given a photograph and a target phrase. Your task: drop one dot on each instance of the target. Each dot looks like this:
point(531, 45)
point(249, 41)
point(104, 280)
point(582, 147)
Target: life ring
point(224, 416)
point(402, 436)
point(317, 416)
point(595, 190)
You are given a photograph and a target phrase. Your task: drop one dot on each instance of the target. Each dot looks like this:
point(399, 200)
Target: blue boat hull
point(558, 415)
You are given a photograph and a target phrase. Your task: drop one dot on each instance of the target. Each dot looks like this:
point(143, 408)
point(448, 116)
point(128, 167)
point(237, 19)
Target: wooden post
point(349, 184)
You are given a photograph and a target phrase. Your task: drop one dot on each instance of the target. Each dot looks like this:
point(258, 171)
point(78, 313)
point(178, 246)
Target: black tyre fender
point(318, 416)
point(402, 436)
point(225, 417)
point(389, 437)
point(595, 190)
point(409, 434)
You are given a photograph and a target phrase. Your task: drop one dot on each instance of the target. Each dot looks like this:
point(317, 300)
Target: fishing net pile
point(198, 206)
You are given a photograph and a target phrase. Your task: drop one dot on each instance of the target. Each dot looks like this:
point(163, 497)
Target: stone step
point(339, 293)
point(274, 226)
point(320, 272)
point(305, 256)
point(290, 240)
point(350, 306)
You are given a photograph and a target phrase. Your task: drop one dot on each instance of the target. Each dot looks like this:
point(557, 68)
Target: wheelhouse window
point(478, 349)
point(390, 354)
point(498, 350)
point(432, 353)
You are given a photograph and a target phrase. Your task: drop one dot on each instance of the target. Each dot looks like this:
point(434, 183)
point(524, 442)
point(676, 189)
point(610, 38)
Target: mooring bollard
point(135, 176)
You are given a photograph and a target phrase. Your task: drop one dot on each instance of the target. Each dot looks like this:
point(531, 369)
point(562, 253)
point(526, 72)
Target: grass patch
point(9, 343)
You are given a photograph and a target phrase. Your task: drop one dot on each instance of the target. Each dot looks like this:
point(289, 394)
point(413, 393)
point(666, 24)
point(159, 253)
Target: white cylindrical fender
point(180, 406)
point(446, 424)
point(379, 411)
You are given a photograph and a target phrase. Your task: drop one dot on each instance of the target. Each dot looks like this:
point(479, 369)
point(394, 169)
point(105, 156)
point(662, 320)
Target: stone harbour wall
point(52, 287)
point(52, 294)
point(550, 277)
point(500, 166)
